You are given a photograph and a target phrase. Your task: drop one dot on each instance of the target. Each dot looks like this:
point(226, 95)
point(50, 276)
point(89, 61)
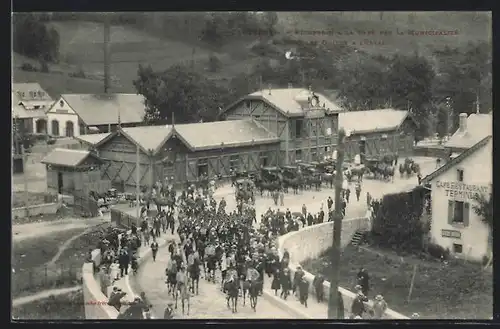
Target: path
point(43, 295)
point(210, 303)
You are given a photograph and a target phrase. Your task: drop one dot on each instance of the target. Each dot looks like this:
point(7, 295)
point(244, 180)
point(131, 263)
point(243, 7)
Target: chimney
point(106, 54)
point(290, 86)
point(462, 122)
point(269, 86)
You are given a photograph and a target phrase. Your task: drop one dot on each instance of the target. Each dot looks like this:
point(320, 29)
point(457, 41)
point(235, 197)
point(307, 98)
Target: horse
point(328, 178)
point(181, 289)
point(171, 278)
point(210, 268)
point(254, 290)
point(194, 274)
point(232, 287)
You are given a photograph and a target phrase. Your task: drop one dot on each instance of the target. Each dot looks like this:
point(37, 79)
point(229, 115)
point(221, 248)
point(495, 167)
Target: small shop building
point(72, 171)
point(454, 223)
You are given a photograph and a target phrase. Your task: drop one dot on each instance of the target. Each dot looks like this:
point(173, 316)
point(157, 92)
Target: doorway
point(59, 182)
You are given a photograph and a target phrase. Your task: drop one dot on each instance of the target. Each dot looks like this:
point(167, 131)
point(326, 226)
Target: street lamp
point(333, 301)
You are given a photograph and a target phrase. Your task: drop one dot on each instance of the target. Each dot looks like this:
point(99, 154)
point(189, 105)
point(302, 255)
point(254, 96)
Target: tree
point(214, 63)
point(32, 38)
point(180, 91)
point(484, 209)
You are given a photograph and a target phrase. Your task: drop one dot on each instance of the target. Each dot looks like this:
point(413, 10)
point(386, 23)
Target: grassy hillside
point(81, 46)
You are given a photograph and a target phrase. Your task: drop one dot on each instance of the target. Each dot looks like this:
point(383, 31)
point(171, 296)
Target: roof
point(150, 137)
point(92, 139)
point(371, 121)
point(103, 109)
point(231, 133)
point(66, 157)
point(464, 155)
point(25, 91)
point(478, 127)
point(21, 112)
point(288, 100)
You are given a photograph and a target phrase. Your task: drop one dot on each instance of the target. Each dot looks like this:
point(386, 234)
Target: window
point(298, 155)
point(61, 103)
point(327, 149)
point(55, 128)
point(202, 168)
point(32, 94)
point(460, 175)
point(263, 159)
point(298, 128)
point(458, 212)
point(69, 129)
point(457, 248)
point(234, 162)
point(247, 104)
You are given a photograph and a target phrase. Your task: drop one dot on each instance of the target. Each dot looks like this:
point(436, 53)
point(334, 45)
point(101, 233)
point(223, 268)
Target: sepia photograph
point(252, 165)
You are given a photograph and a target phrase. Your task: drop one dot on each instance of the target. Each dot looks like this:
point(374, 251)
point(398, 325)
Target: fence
point(84, 205)
point(121, 218)
point(45, 277)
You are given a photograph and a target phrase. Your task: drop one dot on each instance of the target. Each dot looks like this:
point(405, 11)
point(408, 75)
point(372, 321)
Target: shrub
point(438, 251)
point(28, 67)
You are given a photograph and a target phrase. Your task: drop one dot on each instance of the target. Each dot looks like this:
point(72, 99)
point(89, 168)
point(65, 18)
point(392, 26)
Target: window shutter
point(450, 211)
point(466, 213)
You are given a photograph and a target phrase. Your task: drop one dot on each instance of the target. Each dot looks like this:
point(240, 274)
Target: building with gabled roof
point(305, 121)
point(183, 152)
point(471, 130)
point(453, 222)
point(80, 114)
point(30, 102)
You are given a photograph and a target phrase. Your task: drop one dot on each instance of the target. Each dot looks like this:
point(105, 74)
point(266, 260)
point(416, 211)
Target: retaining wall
point(35, 210)
point(312, 241)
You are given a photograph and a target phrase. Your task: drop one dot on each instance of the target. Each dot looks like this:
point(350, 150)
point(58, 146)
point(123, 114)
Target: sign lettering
point(451, 234)
point(62, 111)
point(462, 190)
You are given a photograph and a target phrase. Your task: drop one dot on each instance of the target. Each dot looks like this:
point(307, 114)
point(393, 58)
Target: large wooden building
point(305, 122)
point(377, 133)
point(182, 152)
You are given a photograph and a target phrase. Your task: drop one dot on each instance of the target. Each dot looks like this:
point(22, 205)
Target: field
point(457, 290)
point(81, 46)
point(36, 267)
point(63, 307)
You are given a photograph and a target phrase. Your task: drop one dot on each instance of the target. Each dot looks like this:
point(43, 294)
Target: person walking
point(282, 197)
point(358, 191)
point(154, 249)
point(363, 280)
point(379, 307)
point(347, 194)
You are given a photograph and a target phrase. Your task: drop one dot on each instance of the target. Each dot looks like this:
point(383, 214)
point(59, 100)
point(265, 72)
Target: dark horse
point(194, 274)
point(252, 288)
point(231, 288)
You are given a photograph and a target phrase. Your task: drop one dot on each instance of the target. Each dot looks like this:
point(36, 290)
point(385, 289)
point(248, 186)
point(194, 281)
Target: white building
point(35, 101)
point(471, 130)
point(454, 224)
point(80, 114)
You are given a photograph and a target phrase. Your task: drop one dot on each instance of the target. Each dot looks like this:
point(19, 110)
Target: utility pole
point(137, 183)
point(20, 140)
point(333, 301)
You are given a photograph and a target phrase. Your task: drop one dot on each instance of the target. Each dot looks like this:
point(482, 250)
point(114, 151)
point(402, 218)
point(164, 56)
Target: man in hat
point(296, 279)
point(358, 306)
point(115, 298)
point(318, 287)
point(154, 249)
point(303, 291)
point(363, 280)
point(379, 307)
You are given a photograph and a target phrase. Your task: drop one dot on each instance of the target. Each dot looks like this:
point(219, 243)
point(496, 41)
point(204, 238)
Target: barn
point(305, 121)
point(379, 132)
point(183, 152)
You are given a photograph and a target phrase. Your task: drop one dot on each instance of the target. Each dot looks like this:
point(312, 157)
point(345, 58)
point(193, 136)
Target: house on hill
point(379, 132)
point(306, 122)
point(454, 223)
point(182, 153)
point(31, 102)
point(80, 114)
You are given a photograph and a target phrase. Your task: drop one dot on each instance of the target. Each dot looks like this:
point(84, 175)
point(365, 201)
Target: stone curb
point(278, 302)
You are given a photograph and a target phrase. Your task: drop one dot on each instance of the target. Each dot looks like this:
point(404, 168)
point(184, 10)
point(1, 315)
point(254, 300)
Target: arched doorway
point(55, 128)
point(69, 129)
point(41, 126)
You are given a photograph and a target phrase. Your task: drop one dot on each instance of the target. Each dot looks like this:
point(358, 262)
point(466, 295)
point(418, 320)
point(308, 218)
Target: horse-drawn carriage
point(409, 166)
point(381, 167)
point(245, 191)
point(270, 174)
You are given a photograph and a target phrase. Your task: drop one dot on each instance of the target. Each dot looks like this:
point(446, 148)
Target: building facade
point(471, 130)
point(79, 114)
point(305, 122)
point(182, 153)
point(376, 133)
point(35, 102)
point(454, 223)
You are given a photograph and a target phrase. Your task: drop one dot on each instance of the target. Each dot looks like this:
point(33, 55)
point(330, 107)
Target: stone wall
point(312, 241)
point(35, 210)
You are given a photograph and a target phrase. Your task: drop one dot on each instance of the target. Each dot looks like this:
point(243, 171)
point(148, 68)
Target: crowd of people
point(215, 240)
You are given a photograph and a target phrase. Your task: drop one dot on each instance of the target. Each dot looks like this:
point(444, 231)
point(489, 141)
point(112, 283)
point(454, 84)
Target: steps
point(357, 238)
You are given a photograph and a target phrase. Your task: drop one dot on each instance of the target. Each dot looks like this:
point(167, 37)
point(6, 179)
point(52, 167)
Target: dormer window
point(61, 103)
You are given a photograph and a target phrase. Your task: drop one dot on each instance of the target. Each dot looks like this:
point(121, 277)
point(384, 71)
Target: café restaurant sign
point(462, 190)
point(451, 234)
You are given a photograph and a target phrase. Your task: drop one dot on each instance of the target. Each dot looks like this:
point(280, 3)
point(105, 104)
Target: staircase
point(357, 238)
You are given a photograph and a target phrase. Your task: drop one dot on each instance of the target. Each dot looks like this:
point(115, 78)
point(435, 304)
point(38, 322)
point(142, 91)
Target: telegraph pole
point(137, 183)
point(333, 301)
point(20, 140)
point(107, 53)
